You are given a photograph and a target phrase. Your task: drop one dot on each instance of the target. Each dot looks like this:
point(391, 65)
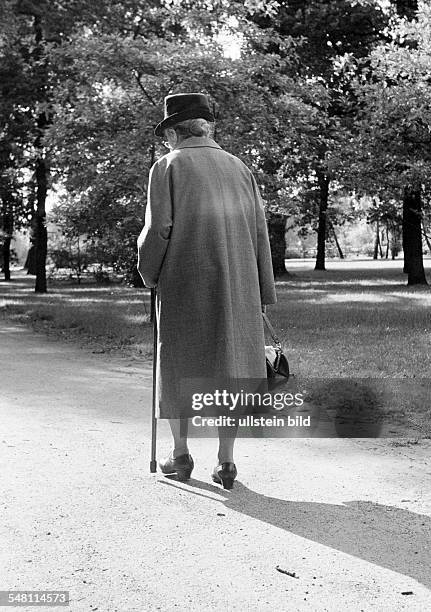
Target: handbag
point(276, 361)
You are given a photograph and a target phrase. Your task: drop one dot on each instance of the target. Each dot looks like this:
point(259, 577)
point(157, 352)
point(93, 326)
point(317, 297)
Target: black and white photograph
point(215, 305)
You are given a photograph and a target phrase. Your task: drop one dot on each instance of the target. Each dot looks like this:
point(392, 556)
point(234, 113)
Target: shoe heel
point(184, 475)
point(225, 475)
point(227, 480)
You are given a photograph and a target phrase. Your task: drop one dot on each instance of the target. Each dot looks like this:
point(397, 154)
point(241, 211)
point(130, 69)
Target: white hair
point(194, 127)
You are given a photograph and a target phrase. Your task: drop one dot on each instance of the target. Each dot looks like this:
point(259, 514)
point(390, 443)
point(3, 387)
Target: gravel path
point(313, 524)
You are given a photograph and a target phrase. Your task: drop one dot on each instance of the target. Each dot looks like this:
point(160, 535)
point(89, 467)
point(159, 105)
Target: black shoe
point(181, 466)
point(225, 474)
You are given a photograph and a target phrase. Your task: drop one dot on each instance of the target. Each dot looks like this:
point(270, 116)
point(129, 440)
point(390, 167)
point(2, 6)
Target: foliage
point(392, 147)
point(328, 38)
point(102, 142)
point(325, 95)
point(14, 125)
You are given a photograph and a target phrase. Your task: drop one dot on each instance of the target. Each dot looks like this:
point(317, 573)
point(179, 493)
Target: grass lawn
point(106, 318)
point(357, 319)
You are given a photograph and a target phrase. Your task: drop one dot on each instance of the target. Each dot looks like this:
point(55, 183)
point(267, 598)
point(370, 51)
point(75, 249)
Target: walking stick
point(153, 463)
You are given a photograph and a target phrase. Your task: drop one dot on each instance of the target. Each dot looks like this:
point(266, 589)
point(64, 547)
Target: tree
point(412, 197)
point(329, 36)
point(14, 209)
point(31, 31)
point(392, 152)
point(387, 220)
point(13, 212)
point(101, 140)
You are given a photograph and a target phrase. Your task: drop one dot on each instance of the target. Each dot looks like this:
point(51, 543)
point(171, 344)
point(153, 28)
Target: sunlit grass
point(352, 322)
point(113, 318)
point(358, 319)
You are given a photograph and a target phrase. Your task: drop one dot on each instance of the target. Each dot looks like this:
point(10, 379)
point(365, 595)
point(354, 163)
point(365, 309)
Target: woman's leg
point(225, 472)
point(179, 429)
point(227, 437)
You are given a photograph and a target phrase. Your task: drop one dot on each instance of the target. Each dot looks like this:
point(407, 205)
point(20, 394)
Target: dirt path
point(79, 510)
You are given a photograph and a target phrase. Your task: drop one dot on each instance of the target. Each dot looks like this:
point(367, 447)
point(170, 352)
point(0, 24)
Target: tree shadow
point(393, 538)
point(101, 309)
point(22, 288)
point(372, 281)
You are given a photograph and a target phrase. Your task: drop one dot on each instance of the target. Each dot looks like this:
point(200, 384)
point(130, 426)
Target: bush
point(70, 253)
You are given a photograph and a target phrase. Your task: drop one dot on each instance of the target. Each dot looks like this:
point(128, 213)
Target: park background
point(327, 102)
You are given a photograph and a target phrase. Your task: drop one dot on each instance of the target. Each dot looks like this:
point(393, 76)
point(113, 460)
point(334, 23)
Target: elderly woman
point(205, 246)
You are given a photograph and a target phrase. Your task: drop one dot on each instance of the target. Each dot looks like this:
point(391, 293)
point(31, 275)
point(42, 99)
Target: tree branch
point(138, 76)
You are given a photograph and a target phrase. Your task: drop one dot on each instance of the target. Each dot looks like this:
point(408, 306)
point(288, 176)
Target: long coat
point(205, 246)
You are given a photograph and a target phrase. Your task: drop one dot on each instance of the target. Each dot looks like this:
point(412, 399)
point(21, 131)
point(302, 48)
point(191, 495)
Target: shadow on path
point(393, 538)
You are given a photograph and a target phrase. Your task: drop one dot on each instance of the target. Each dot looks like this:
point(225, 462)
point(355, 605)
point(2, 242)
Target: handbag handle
point(271, 330)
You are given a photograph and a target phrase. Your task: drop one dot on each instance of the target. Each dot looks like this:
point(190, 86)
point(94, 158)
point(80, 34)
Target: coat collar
point(198, 141)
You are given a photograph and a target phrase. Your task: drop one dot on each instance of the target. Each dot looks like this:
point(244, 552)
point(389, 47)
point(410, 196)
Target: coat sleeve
point(264, 260)
point(153, 241)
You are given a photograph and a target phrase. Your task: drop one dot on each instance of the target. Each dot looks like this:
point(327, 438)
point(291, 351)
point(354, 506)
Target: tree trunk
point(79, 267)
point(41, 242)
point(6, 257)
point(277, 239)
point(337, 244)
point(394, 240)
point(8, 224)
point(412, 234)
point(427, 240)
point(408, 9)
point(387, 241)
point(405, 239)
point(321, 230)
point(377, 241)
point(30, 262)
point(41, 168)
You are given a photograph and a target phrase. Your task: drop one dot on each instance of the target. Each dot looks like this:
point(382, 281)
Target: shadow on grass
point(114, 314)
point(354, 321)
point(351, 321)
point(387, 536)
point(353, 278)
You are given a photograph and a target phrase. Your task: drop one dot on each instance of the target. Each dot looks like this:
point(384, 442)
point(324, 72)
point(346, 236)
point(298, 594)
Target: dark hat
point(179, 107)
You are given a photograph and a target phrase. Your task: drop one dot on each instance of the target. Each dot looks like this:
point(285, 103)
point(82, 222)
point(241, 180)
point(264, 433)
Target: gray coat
point(205, 246)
